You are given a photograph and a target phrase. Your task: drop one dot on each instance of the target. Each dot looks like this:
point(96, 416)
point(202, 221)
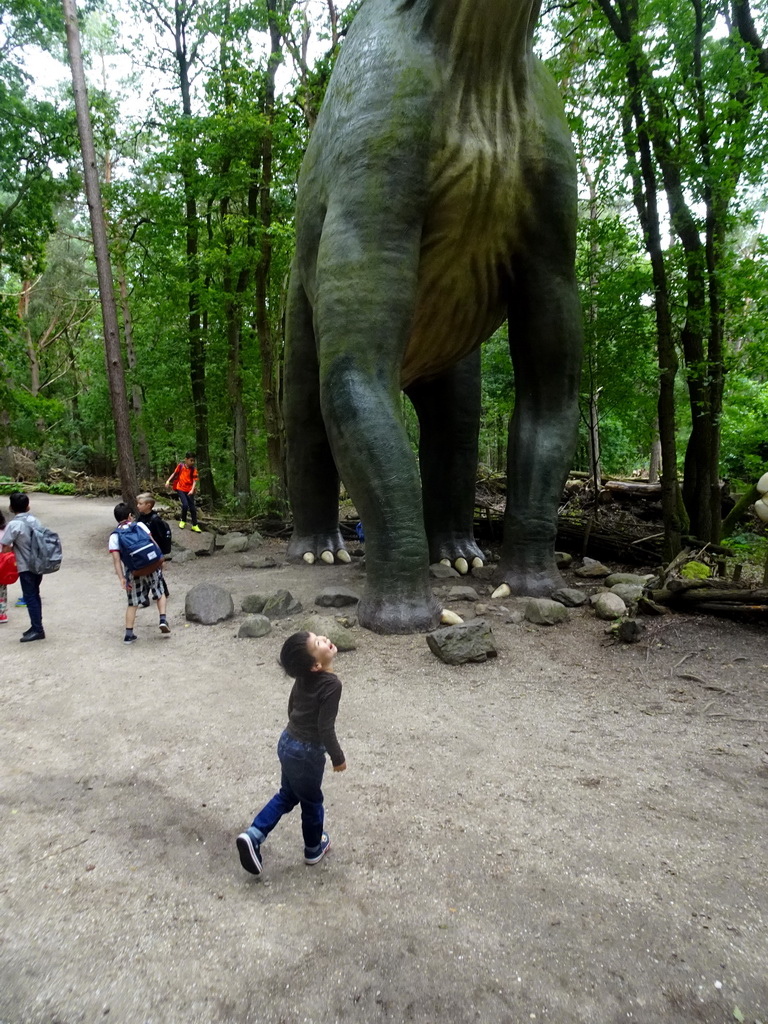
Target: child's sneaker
point(164, 627)
point(21, 603)
point(130, 638)
point(182, 524)
point(315, 858)
point(196, 529)
point(248, 848)
point(3, 617)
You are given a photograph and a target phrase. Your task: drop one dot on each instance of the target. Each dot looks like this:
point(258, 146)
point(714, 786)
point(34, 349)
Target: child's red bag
point(9, 572)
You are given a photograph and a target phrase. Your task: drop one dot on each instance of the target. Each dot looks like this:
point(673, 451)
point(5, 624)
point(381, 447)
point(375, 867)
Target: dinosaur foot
point(529, 582)
point(458, 551)
point(403, 615)
point(318, 547)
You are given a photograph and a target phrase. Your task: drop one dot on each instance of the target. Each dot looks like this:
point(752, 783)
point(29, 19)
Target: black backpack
point(161, 532)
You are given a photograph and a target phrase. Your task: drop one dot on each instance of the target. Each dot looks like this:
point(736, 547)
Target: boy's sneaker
point(164, 627)
point(130, 638)
point(250, 856)
point(196, 529)
point(182, 524)
point(3, 617)
point(21, 603)
point(315, 858)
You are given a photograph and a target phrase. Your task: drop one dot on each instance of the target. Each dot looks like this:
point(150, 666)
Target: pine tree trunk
point(115, 371)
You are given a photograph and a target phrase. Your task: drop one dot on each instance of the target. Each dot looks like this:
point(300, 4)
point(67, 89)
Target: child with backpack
point(184, 481)
point(26, 536)
point(160, 530)
point(3, 586)
point(131, 546)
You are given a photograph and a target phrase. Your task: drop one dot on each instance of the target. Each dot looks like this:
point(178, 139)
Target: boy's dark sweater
point(312, 708)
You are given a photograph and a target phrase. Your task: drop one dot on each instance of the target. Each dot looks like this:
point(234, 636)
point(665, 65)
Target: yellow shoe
point(196, 529)
point(182, 524)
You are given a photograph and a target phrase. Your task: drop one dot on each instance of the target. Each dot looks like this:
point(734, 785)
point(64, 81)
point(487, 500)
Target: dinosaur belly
point(464, 268)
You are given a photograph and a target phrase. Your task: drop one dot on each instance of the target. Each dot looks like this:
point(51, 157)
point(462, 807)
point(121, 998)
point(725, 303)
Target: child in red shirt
point(184, 481)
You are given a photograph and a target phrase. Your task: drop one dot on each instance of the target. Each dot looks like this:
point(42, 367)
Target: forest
point(164, 332)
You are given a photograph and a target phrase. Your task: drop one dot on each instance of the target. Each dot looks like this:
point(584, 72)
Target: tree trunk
point(115, 371)
point(136, 400)
point(267, 342)
point(195, 333)
point(655, 456)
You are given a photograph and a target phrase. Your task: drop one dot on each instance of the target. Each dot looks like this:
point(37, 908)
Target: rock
point(463, 594)
point(543, 611)
point(255, 540)
point(260, 562)
point(255, 625)
point(457, 645)
point(484, 572)
point(280, 605)
point(570, 597)
point(336, 597)
point(515, 617)
point(482, 609)
point(182, 556)
point(235, 544)
point(208, 604)
point(219, 541)
point(439, 571)
point(324, 625)
point(253, 603)
point(609, 606)
point(629, 593)
point(201, 543)
point(596, 593)
point(628, 577)
point(648, 607)
point(590, 569)
point(630, 631)
point(563, 560)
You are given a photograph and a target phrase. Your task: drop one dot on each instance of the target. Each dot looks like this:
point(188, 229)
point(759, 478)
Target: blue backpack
point(138, 552)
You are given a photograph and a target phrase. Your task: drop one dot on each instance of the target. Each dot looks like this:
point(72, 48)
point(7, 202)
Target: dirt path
point(573, 832)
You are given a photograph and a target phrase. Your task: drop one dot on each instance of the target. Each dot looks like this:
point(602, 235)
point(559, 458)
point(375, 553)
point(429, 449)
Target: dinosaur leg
point(366, 286)
point(313, 480)
point(448, 408)
point(545, 343)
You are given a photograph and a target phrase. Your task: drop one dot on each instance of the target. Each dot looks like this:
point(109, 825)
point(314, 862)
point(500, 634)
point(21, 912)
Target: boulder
point(629, 593)
point(253, 604)
point(234, 544)
point(590, 569)
point(609, 606)
point(563, 560)
point(324, 625)
point(255, 625)
point(463, 594)
point(208, 604)
point(484, 572)
point(280, 605)
point(439, 571)
point(570, 597)
point(543, 611)
point(336, 597)
point(182, 556)
point(628, 577)
point(203, 543)
point(258, 562)
point(457, 645)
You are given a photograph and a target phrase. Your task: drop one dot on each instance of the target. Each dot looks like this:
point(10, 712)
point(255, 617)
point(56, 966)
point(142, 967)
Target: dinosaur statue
point(437, 197)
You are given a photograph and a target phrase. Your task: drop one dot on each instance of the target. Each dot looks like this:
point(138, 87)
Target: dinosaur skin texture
point(437, 198)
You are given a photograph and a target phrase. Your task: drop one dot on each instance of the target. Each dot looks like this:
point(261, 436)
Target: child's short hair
point(146, 496)
point(19, 502)
point(190, 455)
point(122, 511)
point(295, 656)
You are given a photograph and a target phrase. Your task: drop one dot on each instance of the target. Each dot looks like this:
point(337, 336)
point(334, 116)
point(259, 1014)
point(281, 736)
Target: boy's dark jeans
point(188, 506)
point(303, 765)
point(30, 588)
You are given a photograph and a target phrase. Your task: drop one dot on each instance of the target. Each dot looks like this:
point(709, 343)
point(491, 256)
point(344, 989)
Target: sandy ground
point(573, 832)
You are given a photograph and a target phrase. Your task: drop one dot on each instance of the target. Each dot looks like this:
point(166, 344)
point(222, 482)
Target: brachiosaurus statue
point(437, 197)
